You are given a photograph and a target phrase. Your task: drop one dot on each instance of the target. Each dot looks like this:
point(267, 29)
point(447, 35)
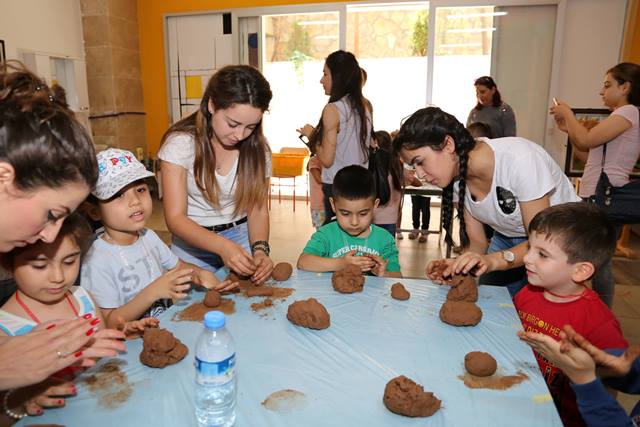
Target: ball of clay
point(465, 289)
point(348, 280)
point(309, 314)
point(282, 271)
point(480, 364)
point(212, 298)
point(460, 313)
point(404, 397)
point(398, 291)
point(160, 348)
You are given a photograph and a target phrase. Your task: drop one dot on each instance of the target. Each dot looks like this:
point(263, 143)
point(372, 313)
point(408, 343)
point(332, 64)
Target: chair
point(287, 164)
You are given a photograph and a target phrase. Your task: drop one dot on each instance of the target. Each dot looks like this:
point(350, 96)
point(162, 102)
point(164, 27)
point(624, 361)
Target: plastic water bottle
point(215, 374)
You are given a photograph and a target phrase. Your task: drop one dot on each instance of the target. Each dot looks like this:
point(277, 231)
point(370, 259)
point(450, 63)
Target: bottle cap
point(214, 319)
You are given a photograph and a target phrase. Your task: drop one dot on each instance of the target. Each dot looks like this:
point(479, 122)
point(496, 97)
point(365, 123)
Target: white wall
point(591, 41)
point(51, 26)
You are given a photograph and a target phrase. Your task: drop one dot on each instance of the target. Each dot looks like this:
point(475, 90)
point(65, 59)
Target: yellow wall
point(151, 27)
point(633, 54)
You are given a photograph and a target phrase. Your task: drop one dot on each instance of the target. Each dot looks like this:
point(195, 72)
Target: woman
point(343, 134)
point(47, 167)
point(215, 177)
point(501, 184)
point(619, 133)
point(491, 110)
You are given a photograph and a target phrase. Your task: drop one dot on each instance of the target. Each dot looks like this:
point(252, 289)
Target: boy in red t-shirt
point(567, 243)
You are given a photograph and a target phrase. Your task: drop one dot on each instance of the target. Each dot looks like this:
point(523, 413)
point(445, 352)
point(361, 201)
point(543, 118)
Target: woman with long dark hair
point(619, 133)
point(491, 109)
point(343, 134)
point(215, 176)
point(502, 184)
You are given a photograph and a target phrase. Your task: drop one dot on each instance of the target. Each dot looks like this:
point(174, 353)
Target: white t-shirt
point(115, 274)
point(180, 150)
point(523, 171)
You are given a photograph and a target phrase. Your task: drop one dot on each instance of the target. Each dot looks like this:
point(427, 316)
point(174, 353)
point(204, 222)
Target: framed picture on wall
point(3, 54)
point(588, 117)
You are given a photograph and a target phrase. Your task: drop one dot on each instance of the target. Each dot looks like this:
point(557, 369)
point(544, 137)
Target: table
point(342, 370)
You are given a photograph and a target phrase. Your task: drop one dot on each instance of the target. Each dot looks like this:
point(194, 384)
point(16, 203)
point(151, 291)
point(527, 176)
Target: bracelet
point(262, 245)
point(9, 412)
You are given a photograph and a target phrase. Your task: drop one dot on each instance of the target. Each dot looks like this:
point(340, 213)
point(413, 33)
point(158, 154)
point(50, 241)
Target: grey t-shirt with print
point(115, 274)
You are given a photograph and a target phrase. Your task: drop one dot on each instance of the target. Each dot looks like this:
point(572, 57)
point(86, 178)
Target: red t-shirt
point(588, 315)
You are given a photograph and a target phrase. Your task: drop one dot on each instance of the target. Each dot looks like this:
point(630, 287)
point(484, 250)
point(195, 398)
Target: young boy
point(126, 267)
point(352, 239)
point(567, 244)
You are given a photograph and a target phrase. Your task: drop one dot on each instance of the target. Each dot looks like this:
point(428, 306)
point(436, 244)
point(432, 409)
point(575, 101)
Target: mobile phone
point(555, 101)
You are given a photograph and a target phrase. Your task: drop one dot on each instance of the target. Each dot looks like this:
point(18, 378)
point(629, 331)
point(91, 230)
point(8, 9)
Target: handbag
point(622, 204)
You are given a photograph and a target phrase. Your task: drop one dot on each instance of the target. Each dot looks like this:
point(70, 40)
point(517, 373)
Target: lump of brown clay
point(404, 397)
point(348, 280)
point(460, 313)
point(160, 348)
point(309, 314)
point(212, 298)
point(480, 364)
point(260, 291)
point(282, 271)
point(439, 267)
point(399, 292)
point(465, 289)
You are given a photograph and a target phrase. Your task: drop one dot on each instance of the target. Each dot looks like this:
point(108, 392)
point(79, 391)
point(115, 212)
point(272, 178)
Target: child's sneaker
point(413, 235)
point(423, 237)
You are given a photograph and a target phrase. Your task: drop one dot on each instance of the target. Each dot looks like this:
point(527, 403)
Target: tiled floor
point(290, 231)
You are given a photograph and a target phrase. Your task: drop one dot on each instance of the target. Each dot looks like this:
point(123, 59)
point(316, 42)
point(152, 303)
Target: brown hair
point(628, 72)
point(39, 135)
point(229, 86)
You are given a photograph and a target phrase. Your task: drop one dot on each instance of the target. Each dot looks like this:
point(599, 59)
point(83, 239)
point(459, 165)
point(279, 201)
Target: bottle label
point(215, 373)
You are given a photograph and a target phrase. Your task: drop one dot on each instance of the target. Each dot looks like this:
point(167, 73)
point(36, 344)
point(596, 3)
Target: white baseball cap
point(117, 169)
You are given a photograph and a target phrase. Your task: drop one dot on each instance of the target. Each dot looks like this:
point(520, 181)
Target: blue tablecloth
point(342, 370)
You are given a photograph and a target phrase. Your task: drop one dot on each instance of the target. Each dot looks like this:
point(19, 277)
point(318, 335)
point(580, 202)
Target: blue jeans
point(515, 278)
point(391, 228)
point(209, 260)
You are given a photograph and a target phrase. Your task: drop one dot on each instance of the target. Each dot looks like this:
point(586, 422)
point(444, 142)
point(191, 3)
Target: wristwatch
point(508, 256)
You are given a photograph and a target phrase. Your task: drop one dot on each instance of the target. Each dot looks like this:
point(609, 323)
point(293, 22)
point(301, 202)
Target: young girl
point(215, 175)
point(343, 134)
point(508, 181)
point(45, 274)
point(386, 215)
point(316, 205)
point(619, 133)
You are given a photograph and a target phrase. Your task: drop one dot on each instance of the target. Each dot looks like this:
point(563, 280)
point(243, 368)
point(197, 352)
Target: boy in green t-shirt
point(352, 238)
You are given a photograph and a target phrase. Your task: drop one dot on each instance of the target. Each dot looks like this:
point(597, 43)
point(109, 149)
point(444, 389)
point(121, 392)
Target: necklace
point(33, 316)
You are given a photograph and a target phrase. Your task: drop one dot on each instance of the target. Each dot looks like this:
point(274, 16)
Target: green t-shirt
point(330, 241)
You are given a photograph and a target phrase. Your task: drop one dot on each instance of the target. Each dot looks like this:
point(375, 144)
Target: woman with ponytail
point(215, 176)
point(503, 185)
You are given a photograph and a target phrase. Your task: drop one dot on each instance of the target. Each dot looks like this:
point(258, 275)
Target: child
point(578, 359)
point(386, 216)
point(567, 244)
point(352, 239)
point(125, 266)
point(316, 205)
point(44, 274)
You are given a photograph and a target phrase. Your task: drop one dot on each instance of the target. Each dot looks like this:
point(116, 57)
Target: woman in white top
point(619, 132)
point(215, 176)
point(343, 134)
point(502, 182)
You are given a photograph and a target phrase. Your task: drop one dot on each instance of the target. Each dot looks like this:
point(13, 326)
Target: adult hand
point(472, 263)
point(380, 265)
point(264, 267)
point(237, 259)
point(364, 263)
point(608, 364)
point(306, 130)
point(52, 346)
point(173, 284)
point(574, 362)
point(47, 394)
point(560, 113)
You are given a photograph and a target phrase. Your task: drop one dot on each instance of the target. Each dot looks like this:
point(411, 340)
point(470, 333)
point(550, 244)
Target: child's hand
point(574, 362)
point(439, 271)
point(365, 263)
point(264, 267)
point(209, 280)
point(380, 266)
point(47, 394)
point(172, 284)
point(608, 364)
point(135, 328)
